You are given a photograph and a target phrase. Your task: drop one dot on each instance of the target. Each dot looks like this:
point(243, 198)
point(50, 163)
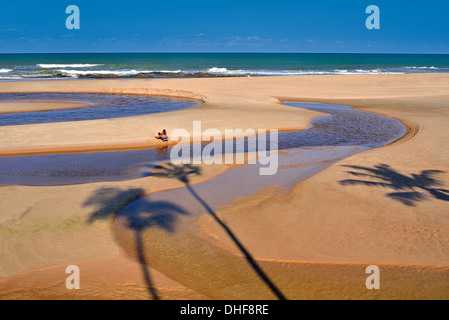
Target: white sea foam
point(41, 75)
point(75, 73)
point(422, 68)
point(133, 72)
point(166, 71)
point(11, 78)
point(77, 65)
point(225, 71)
point(219, 70)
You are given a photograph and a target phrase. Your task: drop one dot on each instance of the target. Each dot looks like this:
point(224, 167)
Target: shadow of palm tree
point(109, 201)
point(183, 174)
point(406, 187)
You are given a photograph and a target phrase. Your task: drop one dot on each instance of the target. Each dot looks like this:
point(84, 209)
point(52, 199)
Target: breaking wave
point(76, 65)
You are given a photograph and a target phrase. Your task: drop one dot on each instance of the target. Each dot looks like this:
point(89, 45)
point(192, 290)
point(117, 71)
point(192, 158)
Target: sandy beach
point(387, 206)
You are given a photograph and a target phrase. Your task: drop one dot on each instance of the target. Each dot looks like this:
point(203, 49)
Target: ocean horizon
point(170, 65)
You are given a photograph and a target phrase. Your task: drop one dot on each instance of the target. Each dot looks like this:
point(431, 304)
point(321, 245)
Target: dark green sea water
point(105, 65)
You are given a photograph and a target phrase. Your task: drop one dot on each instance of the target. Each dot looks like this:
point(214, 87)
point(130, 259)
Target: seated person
point(162, 136)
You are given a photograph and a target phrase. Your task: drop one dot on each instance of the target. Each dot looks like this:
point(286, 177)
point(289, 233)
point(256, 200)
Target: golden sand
point(313, 243)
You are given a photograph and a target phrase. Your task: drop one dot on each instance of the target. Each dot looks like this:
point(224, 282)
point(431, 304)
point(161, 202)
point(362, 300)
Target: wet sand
point(386, 206)
point(33, 106)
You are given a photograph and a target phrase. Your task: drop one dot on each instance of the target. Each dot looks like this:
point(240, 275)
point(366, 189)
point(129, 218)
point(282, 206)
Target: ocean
point(155, 65)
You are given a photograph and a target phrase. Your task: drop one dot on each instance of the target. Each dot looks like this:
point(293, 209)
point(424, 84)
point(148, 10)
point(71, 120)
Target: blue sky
point(225, 26)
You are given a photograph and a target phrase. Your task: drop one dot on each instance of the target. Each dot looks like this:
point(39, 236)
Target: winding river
point(102, 106)
point(343, 129)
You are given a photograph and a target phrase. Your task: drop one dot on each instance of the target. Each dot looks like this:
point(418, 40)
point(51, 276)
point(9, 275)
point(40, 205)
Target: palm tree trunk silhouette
point(143, 263)
point(245, 252)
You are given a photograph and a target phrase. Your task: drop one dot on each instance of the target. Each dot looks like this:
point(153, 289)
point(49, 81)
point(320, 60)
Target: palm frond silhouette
point(109, 201)
point(183, 173)
point(409, 189)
